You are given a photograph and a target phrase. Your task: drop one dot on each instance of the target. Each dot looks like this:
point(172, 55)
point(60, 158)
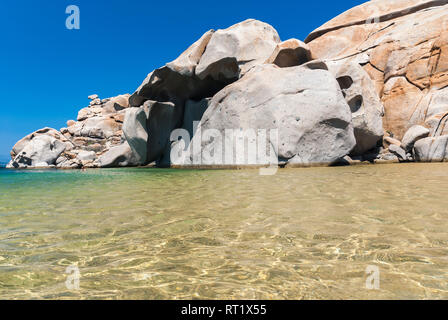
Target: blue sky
point(47, 71)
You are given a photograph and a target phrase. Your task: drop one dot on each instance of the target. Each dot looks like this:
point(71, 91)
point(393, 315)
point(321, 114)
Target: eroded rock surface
point(372, 83)
point(403, 45)
point(365, 105)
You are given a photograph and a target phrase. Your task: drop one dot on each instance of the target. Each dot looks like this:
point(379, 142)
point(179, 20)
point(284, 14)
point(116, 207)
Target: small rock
point(41, 165)
point(95, 102)
point(290, 53)
point(414, 134)
point(398, 151)
point(86, 156)
point(388, 141)
point(93, 97)
point(71, 123)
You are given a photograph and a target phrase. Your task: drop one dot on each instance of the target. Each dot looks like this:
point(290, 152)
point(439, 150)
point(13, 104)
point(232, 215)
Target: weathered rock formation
point(369, 85)
point(403, 46)
point(304, 105)
point(82, 143)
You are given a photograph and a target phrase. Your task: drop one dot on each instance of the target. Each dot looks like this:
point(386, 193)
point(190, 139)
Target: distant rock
point(194, 111)
point(390, 141)
point(371, 85)
point(431, 149)
point(402, 44)
point(232, 52)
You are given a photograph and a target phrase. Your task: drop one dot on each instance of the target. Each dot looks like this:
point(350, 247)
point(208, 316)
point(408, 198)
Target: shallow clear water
point(186, 234)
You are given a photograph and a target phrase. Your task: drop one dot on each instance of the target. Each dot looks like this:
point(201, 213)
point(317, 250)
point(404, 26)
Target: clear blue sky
point(47, 71)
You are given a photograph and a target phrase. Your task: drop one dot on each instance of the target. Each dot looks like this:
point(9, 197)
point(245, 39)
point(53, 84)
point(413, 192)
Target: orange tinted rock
point(403, 46)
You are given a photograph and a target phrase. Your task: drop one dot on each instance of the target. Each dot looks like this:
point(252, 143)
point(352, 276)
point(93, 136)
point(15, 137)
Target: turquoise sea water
point(223, 234)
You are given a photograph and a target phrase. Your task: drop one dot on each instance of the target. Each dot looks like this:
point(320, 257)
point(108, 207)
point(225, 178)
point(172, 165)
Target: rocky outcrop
point(369, 85)
point(305, 107)
point(398, 151)
point(414, 134)
point(403, 45)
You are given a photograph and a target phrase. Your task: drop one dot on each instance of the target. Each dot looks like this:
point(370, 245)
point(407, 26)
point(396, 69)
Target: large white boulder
point(305, 106)
point(208, 65)
point(42, 150)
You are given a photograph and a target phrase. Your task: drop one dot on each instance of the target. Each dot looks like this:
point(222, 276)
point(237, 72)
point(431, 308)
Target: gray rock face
point(41, 151)
point(290, 53)
point(234, 51)
point(366, 107)
point(305, 106)
point(414, 134)
point(163, 118)
point(119, 156)
point(431, 149)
